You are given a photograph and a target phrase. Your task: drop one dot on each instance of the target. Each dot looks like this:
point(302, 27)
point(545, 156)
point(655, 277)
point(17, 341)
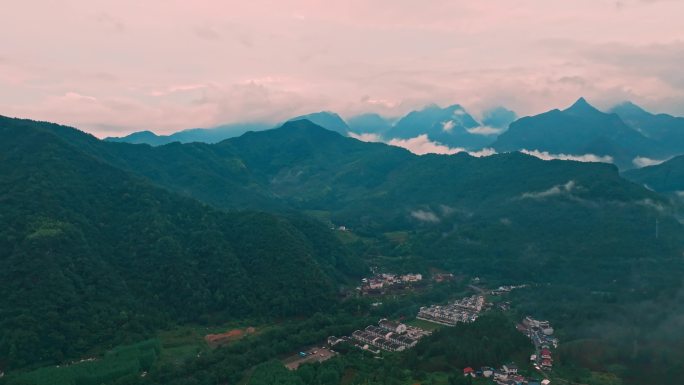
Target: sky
point(111, 67)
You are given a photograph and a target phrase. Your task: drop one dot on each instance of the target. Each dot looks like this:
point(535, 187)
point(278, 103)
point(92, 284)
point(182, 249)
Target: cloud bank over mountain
point(421, 145)
point(545, 155)
point(642, 161)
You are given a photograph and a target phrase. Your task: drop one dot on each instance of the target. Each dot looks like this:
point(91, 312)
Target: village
point(463, 310)
point(467, 310)
point(380, 284)
point(541, 334)
point(388, 335)
point(395, 336)
point(506, 375)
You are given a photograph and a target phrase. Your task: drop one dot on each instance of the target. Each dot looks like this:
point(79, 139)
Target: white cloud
point(448, 125)
point(425, 216)
point(485, 130)
point(365, 137)
point(560, 189)
point(545, 155)
point(459, 112)
point(421, 145)
point(651, 204)
point(484, 152)
point(642, 161)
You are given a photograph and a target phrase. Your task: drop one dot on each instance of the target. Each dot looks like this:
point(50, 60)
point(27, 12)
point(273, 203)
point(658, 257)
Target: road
point(321, 354)
point(479, 290)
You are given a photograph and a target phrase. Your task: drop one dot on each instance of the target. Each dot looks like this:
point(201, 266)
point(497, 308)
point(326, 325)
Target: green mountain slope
point(92, 255)
point(542, 211)
point(193, 169)
point(665, 129)
point(665, 177)
point(578, 130)
point(584, 236)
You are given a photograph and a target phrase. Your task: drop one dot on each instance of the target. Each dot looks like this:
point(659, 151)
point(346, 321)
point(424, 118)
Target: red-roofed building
point(468, 371)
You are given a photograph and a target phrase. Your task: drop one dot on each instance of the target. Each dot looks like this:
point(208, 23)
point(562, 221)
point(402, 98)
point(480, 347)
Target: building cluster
point(463, 310)
point(387, 335)
point(506, 375)
point(380, 282)
point(541, 334)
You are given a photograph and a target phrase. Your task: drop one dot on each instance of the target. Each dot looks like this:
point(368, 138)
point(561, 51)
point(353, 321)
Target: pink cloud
point(421, 145)
point(176, 65)
point(366, 137)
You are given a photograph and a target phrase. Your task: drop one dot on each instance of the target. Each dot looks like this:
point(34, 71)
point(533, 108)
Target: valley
point(298, 192)
point(276, 229)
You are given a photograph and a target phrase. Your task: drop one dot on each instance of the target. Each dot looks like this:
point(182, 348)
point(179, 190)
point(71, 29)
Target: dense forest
point(91, 255)
point(106, 243)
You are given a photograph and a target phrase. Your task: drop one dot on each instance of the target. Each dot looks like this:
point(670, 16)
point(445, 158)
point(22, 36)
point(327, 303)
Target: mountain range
point(105, 242)
point(204, 135)
point(626, 135)
point(623, 136)
point(666, 130)
point(579, 129)
point(451, 125)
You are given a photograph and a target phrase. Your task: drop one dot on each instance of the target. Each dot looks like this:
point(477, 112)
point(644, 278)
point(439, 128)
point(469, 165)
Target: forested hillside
point(91, 255)
point(105, 242)
point(665, 177)
point(580, 129)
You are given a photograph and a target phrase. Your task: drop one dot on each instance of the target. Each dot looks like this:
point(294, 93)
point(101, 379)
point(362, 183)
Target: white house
point(510, 369)
point(394, 327)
